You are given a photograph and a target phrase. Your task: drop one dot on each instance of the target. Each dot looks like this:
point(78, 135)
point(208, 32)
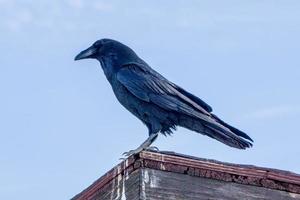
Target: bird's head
point(108, 49)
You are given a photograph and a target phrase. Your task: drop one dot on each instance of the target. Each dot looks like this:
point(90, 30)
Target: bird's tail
point(221, 132)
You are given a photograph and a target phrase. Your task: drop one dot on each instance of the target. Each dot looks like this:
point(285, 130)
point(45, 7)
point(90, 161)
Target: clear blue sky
point(57, 133)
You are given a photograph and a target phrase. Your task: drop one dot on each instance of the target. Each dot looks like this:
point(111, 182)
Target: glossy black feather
point(160, 104)
point(146, 85)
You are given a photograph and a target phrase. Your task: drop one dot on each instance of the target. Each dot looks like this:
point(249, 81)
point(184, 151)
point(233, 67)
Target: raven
point(160, 104)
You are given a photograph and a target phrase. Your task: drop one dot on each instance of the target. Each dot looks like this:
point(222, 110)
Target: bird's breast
point(127, 99)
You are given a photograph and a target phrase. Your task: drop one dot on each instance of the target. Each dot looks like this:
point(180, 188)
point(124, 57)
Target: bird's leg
point(143, 146)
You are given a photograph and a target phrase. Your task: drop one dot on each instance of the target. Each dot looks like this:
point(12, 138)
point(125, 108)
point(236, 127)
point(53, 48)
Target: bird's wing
point(147, 85)
point(180, 92)
point(197, 100)
point(150, 86)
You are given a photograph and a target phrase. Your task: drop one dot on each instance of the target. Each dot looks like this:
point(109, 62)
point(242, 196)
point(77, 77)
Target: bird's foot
point(133, 152)
point(144, 145)
point(152, 148)
point(137, 151)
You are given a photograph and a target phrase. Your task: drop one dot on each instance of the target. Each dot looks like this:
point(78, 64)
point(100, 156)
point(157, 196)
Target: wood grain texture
point(161, 185)
point(243, 174)
point(138, 177)
point(123, 187)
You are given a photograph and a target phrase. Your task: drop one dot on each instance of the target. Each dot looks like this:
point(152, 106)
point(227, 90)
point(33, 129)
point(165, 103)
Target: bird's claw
point(131, 152)
point(152, 148)
point(136, 151)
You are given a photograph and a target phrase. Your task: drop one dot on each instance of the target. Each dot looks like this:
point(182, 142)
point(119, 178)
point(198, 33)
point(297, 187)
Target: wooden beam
point(169, 162)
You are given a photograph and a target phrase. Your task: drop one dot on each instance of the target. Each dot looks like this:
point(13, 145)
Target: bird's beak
point(88, 53)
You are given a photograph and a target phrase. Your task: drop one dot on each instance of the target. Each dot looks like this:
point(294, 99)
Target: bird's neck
point(108, 68)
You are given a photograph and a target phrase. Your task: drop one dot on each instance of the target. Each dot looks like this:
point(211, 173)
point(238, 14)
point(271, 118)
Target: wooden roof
point(198, 167)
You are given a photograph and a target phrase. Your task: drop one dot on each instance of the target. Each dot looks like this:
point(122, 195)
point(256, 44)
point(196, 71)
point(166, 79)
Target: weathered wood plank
point(161, 185)
point(125, 167)
point(121, 188)
point(241, 181)
point(243, 174)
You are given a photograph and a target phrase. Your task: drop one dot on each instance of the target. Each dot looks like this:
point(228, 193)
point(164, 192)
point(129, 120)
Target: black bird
point(160, 104)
